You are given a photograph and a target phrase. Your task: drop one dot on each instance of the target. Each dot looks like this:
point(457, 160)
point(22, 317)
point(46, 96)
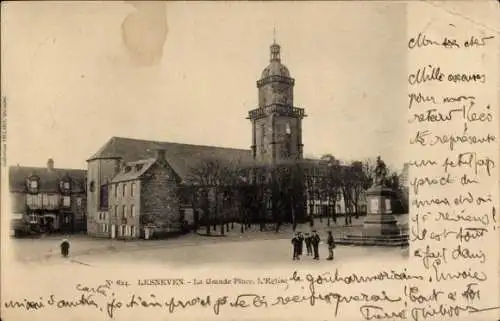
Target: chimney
point(50, 164)
point(119, 164)
point(160, 154)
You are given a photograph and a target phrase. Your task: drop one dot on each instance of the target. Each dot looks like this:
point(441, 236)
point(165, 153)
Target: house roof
point(181, 157)
point(49, 179)
point(133, 170)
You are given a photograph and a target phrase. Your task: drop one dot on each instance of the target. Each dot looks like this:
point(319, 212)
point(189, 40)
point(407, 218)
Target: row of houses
point(136, 194)
point(47, 199)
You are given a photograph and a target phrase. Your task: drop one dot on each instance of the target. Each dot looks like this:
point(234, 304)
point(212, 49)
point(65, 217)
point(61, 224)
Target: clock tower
point(276, 123)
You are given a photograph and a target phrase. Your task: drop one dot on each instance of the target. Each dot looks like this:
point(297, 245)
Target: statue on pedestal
point(380, 173)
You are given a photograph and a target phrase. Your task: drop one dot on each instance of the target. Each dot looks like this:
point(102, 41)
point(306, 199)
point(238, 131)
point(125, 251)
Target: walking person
point(295, 244)
point(331, 245)
point(308, 244)
point(301, 244)
point(65, 248)
point(315, 243)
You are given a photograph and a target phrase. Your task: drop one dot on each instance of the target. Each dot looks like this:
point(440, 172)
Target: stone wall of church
point(159, 201)
point(276, 93)
point(98, 172)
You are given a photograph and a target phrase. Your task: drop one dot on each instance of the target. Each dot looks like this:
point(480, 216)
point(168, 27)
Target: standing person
point(315, 243)
point(308, 244)
point(331, 245)
point(301, 243)
point(295, 244)
point(65, 248)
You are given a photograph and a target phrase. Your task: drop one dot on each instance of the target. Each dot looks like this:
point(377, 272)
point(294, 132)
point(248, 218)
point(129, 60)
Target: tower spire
point(275, 48)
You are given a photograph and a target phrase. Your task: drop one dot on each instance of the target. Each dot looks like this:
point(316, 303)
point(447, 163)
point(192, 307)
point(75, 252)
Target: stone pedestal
point(379, 221)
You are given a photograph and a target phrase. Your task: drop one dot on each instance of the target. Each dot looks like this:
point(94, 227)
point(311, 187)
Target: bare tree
point(362, 180)
point(211, 177)
point(330, 184)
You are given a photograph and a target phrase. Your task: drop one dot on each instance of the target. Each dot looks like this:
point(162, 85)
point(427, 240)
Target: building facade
point(276, 123)
point(134, 185)
point(46, 200)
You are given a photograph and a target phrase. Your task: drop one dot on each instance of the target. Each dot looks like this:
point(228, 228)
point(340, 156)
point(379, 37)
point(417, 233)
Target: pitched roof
point(181, 157)
point(133, 170)
point(49, 179)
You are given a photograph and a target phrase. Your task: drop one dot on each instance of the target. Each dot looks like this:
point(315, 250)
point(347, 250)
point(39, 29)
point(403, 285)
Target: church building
point(133, 184)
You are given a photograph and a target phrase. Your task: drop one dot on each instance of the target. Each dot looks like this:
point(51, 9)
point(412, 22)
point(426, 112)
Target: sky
point(76, 74)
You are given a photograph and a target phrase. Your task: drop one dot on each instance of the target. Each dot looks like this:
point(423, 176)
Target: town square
point(144, 196)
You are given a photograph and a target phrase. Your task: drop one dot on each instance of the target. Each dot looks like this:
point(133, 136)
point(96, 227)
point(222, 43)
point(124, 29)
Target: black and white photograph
point(202, 147)
point(211, 136)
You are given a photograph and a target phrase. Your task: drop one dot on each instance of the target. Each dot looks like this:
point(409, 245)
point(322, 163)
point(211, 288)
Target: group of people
point(312, 245)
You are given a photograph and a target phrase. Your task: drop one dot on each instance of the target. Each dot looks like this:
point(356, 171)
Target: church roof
point(49, 179)
point(181, 157)
point(275, 68)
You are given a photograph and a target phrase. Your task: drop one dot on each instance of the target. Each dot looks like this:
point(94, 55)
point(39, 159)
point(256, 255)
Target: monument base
point(380, 227)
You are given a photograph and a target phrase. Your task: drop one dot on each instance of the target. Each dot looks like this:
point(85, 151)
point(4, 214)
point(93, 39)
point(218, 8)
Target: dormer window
point(138, 167)
point(127, 169)
point(33, 184)
point(65, 185)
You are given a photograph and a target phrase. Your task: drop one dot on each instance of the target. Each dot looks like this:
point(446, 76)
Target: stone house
point(47, 199)
point(134, 186)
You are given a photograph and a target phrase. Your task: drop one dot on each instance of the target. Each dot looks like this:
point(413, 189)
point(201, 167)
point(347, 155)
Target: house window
point(92, 186)
point(132, 231)
point(105, 228)
point(122, 230)
point(116, 211)
point(79, 201)
point(33, 219)
point(103, 199)
point(66, 219)
point(117, 187)
point(132, 189)
point(51, 201)
point(34, 184)
point(66, 201)
point(124, 213)
point(45, 200)
point(132, 210)
point(124, 189)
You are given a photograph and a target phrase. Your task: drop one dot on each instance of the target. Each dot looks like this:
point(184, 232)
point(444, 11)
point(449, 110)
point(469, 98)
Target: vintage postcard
point(332, 160)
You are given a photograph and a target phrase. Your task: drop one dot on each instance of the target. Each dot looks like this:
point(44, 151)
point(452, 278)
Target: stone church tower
point(276, 123)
